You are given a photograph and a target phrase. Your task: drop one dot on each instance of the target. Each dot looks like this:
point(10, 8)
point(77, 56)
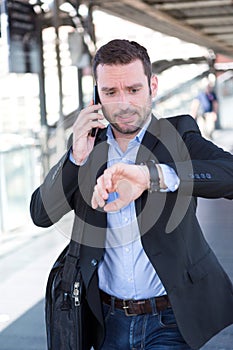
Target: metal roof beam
point(209, 20)
point(227, 36)
point(218, 29)
point(194, 4)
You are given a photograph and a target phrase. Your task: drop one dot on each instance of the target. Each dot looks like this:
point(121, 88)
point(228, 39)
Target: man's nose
point(123, 98)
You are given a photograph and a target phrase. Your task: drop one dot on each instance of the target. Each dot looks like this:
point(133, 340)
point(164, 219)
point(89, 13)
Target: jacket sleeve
point(54, 198)
point(205, 170)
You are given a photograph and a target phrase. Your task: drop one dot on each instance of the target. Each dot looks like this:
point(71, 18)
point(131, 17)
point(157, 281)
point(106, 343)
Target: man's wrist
point(146, 173)
point(75, 161)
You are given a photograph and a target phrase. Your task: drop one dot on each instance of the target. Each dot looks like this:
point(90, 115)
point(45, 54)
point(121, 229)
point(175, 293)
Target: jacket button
point(94, 262)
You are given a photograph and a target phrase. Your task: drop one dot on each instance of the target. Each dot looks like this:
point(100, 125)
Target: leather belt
point(136, 307)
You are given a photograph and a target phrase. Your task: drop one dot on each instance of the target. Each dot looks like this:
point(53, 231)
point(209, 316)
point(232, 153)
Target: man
point(204, 108)
point(152, 281)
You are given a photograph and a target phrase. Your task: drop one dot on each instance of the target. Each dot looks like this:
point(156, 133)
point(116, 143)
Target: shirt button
point(126, 219)
point(127, 250)
point(94, 262)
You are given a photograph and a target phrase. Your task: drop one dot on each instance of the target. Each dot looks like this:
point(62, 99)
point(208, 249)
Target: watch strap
point(154, 176)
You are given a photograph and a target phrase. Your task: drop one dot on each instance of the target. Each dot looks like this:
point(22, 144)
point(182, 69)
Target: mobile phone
point(96, 100)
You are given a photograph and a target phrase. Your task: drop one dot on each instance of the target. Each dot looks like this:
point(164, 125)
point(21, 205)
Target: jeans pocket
point(167, 318)
point(107, 311)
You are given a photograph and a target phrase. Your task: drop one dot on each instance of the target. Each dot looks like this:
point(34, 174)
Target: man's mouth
point(126, 118)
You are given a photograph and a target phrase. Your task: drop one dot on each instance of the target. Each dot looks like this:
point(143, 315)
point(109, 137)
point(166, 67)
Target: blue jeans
point(156, 331)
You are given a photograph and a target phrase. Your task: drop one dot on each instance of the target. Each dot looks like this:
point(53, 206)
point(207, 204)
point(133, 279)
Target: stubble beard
point(129, 129)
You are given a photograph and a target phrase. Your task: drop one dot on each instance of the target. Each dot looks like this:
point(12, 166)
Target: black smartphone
point(96, 100)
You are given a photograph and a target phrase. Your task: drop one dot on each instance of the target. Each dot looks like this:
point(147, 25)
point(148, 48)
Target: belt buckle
point(126, 307)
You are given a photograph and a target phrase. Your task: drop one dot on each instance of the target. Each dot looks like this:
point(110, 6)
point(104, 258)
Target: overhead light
point(83, 10)
point(47, 2)
point(37, 9)
point(45, 7)
point(67, 7)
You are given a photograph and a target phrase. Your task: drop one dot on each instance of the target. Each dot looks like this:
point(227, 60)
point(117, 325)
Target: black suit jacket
point(200, 292)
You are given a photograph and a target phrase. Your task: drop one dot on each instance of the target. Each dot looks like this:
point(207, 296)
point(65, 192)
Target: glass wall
point(19, 174)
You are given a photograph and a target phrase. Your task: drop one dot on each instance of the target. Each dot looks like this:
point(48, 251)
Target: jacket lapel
point(145, 153)
point(149, 142)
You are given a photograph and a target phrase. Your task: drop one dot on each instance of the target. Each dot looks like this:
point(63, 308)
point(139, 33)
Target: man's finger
point(97, 201)
point(100, 195)
point(115, 205)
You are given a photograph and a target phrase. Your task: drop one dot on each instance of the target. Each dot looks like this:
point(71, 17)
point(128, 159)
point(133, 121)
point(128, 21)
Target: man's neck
point(123, 140)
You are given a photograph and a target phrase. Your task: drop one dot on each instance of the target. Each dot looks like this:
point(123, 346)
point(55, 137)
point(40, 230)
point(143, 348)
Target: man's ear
point(154, 85)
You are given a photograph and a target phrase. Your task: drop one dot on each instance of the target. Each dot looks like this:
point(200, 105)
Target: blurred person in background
point(204, 109)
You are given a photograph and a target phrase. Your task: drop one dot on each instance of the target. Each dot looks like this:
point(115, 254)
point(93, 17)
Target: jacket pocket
point(203, 267)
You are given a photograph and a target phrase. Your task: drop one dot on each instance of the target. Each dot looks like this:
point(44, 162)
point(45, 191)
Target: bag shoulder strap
point(73, 253)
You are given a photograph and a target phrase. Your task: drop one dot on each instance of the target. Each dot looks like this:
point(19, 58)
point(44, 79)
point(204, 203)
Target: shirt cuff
point(171, 179)
point(71, 158)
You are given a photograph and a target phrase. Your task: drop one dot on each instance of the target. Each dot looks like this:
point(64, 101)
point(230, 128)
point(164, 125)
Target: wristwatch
point(154, 176)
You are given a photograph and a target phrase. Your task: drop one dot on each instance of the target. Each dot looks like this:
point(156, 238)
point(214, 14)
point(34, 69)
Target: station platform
point(27, 255)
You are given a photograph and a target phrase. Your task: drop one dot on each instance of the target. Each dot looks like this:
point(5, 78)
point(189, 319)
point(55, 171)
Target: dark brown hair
point(121, 51)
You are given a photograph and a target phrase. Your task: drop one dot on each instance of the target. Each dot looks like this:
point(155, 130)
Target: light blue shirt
point(125, 270)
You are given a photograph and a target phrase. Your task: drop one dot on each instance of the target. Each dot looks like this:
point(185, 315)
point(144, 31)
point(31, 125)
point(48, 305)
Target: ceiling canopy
point(207, 23)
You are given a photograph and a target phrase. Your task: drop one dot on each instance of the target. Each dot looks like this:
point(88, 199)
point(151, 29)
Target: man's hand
point(129, 181)
point(83, 142)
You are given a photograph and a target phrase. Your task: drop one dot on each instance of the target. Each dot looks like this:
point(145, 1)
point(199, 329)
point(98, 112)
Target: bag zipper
point(76, 293)
point(77, 314)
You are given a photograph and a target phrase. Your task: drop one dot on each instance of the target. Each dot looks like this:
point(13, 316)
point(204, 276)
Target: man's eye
point(134, 91)
point(110, 93)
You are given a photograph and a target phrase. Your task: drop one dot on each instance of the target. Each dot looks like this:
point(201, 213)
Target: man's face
point(125, 96)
